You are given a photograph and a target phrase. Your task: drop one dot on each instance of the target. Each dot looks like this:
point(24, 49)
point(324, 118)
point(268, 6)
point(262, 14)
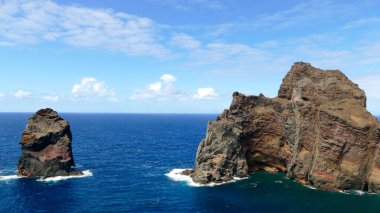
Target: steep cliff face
point(317, 131)
point(46, 146)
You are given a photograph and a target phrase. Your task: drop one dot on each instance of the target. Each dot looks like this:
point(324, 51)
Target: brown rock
point(187, 172)
point(46, 146)
point(317, 130)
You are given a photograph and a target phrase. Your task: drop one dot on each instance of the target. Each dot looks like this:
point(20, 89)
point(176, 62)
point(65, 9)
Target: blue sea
point(128, 156)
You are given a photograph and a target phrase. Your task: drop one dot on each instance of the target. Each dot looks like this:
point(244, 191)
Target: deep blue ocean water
point(129, 155)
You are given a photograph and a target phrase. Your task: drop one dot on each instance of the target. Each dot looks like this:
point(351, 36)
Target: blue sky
point(176, 56)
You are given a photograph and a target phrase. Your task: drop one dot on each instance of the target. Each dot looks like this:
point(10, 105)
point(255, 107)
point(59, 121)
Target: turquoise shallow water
point(129, 156)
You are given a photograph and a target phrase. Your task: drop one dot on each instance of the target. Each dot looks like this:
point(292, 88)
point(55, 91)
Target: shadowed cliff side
point(317, 130)
point(46, 146)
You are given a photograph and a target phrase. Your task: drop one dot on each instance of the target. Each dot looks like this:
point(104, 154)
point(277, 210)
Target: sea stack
point(46, 146)
point(317, 131)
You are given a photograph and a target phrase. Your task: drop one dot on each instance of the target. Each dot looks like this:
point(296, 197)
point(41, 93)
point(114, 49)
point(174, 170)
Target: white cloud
point(90, 87)
point(22, 94)
point(325, 50)
point(6, 43)
point(160, 90)
point(362, 22)
point(299, 16)
point(331, 51)
point(185, 41)
point(51, 98)
point(168, 79)
point(229, 59)
point(155, 87)
point(218, 52)
point(305, 14)
point(30, 22)
point(164, 89)
point(205, 94)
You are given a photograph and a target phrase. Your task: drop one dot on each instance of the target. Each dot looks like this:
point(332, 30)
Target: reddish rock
point(46, 146)
point(317, 131)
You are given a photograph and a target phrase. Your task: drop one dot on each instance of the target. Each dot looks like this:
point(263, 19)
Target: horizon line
point(178, 113)
point(133, 113)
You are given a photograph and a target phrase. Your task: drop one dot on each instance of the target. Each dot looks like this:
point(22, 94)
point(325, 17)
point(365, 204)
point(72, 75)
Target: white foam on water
point(176, 175)
point(9, 177)
point(359, 192)
point(310, 187)
point(353, 192)
point(86, 173)
point(243, 178)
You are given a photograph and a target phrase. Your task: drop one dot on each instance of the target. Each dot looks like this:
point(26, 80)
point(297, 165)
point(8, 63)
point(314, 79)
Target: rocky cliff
point(46, 146)
point(317, 131)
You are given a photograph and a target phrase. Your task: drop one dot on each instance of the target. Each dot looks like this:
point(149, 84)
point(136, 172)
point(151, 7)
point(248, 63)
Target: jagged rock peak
point(319, 86)
point(48, 113)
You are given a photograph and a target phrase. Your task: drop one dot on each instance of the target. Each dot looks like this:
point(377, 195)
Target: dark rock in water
point(46, 146)
point(317, 131)
point(187, 172)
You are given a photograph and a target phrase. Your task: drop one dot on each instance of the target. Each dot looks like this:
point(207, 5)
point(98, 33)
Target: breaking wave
point(353, 192)
point(310, 187)
point(176, 175)
point(86, 173)
point(9, 177)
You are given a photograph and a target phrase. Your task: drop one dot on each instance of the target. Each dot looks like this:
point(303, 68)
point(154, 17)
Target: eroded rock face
point(46, 146)
point(317, 131)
